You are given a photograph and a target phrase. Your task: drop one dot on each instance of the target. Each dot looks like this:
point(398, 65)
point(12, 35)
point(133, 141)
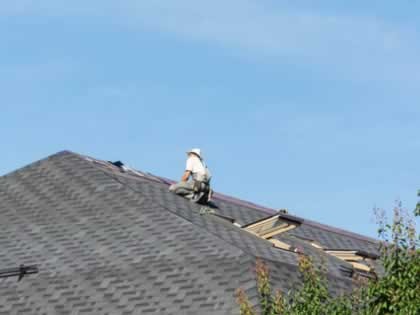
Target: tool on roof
point(198, 188)
point(19, 272)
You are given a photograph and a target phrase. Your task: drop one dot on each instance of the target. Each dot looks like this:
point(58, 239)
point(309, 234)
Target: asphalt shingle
point(114, 242)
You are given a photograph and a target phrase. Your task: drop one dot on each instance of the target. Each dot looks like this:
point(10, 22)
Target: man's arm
point(186, 176)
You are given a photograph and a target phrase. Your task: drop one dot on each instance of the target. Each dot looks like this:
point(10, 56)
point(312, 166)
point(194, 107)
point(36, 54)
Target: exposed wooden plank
point(280, 244)
point(352, 258)
point(362, 267)
point(348, 258)
point(262, 224)
point(261, 221)
point(341, 253)
point(316, 245)
point(272, 229)
point(277, 230)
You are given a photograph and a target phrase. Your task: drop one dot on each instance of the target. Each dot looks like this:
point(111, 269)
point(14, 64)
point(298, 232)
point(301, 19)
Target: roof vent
point(120, 165)
point(117, 163)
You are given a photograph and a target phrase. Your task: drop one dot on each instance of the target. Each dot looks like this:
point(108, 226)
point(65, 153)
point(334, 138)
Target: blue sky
point(311, 107)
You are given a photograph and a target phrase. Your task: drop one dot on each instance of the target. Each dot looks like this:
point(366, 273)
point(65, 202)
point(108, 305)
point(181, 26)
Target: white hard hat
point(196, 151)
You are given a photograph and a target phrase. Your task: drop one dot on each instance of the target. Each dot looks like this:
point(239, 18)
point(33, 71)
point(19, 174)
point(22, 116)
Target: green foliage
point(245, 306)
point(417, 210)
point(267, 300)
point(313, 295)
point(396, 292)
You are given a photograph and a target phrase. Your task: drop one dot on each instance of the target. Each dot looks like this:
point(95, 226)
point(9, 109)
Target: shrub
point(396, 292)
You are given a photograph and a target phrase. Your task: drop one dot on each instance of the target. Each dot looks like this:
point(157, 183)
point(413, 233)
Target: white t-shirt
point(196, 167)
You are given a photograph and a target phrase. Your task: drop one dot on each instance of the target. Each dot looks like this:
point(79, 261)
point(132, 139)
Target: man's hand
point(186, 176)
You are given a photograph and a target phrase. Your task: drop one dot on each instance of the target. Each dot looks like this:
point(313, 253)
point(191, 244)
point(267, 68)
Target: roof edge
point(223, 197)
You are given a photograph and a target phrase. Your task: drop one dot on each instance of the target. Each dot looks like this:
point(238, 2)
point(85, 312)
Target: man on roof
point(198, 188)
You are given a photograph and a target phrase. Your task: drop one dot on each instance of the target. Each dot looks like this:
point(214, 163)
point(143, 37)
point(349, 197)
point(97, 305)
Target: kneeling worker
point(198, 190)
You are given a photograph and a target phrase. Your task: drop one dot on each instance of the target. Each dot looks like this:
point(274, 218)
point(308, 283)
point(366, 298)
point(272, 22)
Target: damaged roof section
point(284, 231)
point(111, 239)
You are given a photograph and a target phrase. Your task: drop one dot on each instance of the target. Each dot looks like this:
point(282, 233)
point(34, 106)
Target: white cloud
point(365, 48)
point(361, 48)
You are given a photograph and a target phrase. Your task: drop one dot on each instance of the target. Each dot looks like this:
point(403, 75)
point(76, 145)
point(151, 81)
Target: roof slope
point(109, 241)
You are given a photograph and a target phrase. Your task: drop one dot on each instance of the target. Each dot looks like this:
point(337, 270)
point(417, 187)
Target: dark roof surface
point(109, 240)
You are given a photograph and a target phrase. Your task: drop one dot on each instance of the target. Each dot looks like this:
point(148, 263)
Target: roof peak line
point(236, 201)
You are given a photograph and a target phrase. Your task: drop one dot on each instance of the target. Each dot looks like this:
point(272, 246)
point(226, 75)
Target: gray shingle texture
point(113, 242)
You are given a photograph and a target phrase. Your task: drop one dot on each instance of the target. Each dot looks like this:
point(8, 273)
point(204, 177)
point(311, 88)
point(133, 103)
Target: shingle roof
point(109, 241)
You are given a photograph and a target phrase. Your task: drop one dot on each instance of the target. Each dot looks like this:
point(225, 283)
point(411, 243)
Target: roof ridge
point(245, 203)
point(223, 197)
point(271, 211)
